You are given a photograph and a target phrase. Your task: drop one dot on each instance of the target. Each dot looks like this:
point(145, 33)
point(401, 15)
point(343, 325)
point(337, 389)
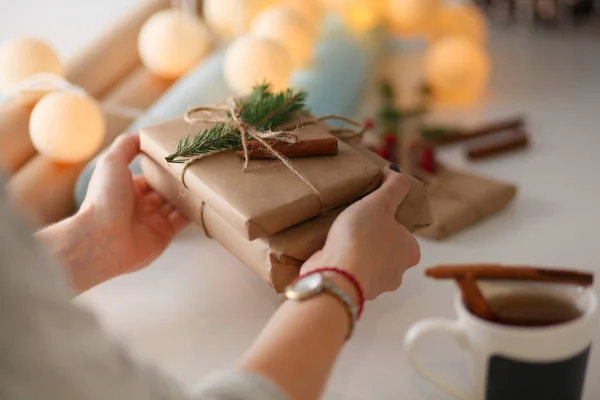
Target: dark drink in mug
point(537, 348)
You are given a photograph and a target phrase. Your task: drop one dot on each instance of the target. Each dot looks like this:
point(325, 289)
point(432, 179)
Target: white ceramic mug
point(512, 362)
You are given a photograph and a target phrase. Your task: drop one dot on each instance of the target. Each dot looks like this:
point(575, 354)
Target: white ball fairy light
point(171, 42)
point(24, 59)
point(21, 58)
point(410, 18)
point(461, 19)
point(282, 26)
point(457, 70)
point(250, 60)
point(229, 18)
point(359, 15)
point(67, 127)
point(312, 11)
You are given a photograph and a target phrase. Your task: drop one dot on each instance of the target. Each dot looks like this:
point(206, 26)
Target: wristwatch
point(311, 285)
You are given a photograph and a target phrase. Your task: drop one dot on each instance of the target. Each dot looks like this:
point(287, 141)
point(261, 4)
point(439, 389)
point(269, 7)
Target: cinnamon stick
point(497, 143)
point(501, 272)
point(473, 299)
point(460, 135)
point(303, 148)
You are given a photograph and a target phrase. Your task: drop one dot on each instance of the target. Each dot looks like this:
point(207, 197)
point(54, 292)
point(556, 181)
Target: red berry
point(390, 139)
point(383, 152)
point(369, 123)
point(427, 160)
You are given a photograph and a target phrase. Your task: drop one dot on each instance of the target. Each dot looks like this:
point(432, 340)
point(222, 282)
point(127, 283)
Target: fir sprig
point(215, 138)
point(262, 109)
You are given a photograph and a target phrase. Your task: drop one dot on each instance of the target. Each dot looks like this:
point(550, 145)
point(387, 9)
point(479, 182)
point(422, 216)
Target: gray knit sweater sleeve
point(52, 349)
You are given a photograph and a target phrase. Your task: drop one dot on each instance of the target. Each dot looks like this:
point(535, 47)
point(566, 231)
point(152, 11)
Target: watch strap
point(342, 296)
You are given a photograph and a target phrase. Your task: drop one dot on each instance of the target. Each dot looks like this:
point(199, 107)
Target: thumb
point(124, 149)
point(393, 189)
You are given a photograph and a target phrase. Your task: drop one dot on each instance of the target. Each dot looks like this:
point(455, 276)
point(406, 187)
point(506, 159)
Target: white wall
point(66, 24)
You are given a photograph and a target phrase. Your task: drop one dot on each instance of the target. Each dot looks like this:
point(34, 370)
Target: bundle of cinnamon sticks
point(484, 141)
point(302, 148)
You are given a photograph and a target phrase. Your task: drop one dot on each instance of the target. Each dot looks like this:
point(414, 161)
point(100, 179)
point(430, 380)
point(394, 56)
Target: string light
point(22, 58)
point(461, 19)
point(456, 70)
point(250, 60)
point(173, 41)
point(409, 18)
point(291, 31)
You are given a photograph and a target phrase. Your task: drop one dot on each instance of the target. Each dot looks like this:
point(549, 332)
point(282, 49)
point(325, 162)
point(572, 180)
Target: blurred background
point(422, 74)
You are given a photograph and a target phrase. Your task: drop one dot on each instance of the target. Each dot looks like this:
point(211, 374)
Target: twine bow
point(287, 134)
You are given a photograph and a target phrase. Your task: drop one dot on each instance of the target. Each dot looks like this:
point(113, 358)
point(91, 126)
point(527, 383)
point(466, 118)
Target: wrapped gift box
point(269, 197)
point(459, 200)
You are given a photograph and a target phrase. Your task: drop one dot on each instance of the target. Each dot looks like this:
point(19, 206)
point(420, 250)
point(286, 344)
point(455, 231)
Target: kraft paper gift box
point(459, 200)
point(276, 258)
point(269, 197)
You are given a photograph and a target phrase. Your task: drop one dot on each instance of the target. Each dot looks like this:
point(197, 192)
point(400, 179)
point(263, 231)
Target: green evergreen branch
point(262, 109)
point(218, 137)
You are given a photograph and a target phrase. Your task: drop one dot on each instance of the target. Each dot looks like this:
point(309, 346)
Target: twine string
point(246, 130)
point(201, 219)
point(188, 6)
point(340, 133)
point(51, 82)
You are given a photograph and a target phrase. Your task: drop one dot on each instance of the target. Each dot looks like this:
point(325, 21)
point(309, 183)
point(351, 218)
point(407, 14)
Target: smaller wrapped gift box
point(275, 258)
point(459, 200)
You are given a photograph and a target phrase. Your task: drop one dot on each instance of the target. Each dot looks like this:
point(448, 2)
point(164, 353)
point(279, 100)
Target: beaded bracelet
point(349, 277)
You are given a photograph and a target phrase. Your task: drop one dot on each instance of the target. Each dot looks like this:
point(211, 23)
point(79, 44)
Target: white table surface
point(197, 308)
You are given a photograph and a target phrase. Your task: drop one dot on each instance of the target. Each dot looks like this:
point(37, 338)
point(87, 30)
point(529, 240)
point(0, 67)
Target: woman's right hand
point(366, 240)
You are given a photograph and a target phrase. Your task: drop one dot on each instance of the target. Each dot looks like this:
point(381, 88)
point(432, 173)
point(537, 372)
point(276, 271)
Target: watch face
point(308, 284)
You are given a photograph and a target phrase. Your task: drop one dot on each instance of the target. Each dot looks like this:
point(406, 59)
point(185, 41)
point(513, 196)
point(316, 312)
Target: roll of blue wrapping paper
point(334, 81)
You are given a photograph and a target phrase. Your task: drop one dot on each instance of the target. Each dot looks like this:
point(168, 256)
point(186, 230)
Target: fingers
point(392, 191)
point(178, 221)
point(124, 148)
point(395, 283)
point(394, 188)
point(410, 256)
point(154, 199)
point(156, 204)
point(141, 185)
point(411, 250)
point(166, 210)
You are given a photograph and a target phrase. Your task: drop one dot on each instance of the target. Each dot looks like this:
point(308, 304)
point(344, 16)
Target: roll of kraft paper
point(341, 70)
point(335, 81)
point(43, 189)
point(15, 145)
point(97, 69)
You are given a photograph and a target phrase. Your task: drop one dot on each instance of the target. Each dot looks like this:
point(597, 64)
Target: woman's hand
point(304, 338)
point(138, 220)
point(366, 240)
point(122, 226)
